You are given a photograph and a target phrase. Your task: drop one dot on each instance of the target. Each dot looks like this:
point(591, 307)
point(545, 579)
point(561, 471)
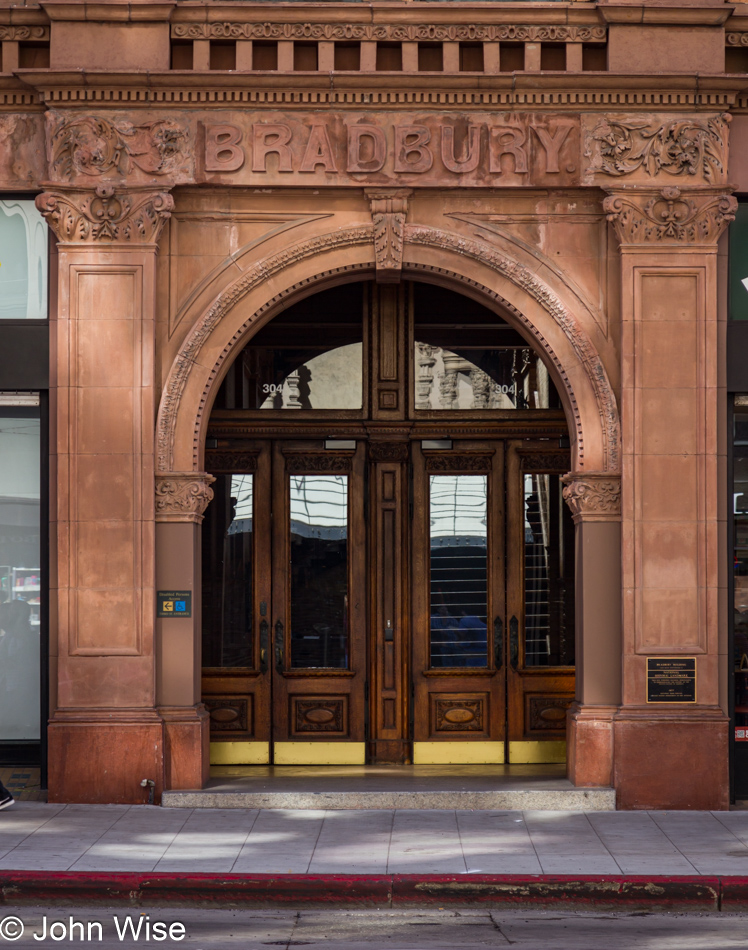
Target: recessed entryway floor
point(540, 787)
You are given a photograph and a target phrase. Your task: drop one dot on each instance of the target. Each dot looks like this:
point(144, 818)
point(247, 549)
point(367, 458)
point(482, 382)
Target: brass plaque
point(671, 679)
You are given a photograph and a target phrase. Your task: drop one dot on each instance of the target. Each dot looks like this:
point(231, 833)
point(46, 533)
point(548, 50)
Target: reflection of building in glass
point(23, 262)
point(509, 378)
point(319, 570)
point(458, 572)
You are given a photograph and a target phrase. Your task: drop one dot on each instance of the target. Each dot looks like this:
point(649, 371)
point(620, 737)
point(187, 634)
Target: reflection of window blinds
point(319, 506)
point(241, 490)
point(458, 509)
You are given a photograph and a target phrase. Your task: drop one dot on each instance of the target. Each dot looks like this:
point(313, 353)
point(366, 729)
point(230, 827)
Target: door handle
point(498, 643)
point(514, 642)
point(264, 631)
point(279, 645)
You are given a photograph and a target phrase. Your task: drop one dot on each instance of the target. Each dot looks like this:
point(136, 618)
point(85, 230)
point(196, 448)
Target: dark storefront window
point(24, 379)
point(20, 570)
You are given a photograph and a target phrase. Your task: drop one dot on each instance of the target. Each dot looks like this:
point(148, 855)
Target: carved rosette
point(388, 212)
point(106, 215)
point(669, 216)
point(593, 496)
point(183, 496)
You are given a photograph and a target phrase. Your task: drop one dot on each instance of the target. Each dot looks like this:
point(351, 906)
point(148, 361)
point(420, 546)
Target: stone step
point(508, 799)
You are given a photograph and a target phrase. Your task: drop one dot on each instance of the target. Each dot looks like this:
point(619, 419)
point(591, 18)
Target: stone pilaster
point(672, 600)
point(106, 734)
point(595, 502)
point(180, 501)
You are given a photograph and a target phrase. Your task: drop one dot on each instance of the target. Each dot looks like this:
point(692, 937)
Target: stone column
point(595, 502)
point(181, 500)
point(670, 755)
point(106, 734)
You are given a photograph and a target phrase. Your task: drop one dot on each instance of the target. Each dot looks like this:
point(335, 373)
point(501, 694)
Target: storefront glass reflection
point(458, 510)
point(319, 571)
point(23, 262)
point(20, 574)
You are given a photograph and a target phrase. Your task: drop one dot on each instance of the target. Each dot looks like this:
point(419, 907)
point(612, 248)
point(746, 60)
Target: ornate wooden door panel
point(458, 604)
point(540, 603)
point(319, 605)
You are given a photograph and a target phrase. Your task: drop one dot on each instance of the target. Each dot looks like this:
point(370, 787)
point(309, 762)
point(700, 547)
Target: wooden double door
point(396, 599)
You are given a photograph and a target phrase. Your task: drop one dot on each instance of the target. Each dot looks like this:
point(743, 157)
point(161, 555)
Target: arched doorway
point(388, 561)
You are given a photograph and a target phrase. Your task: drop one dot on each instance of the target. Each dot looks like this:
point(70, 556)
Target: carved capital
point(183, 496)
point(106, 215)
point(388, 213)
point(593, 496)
point(669, 216)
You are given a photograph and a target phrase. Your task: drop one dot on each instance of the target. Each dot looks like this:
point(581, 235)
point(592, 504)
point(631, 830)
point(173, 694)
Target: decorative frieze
point(593, 496)
point(388, 212)
point(96, 147)
point(687, 147)
point(19, 33)
point(736, 39)
point(669, 217)
point(183, 496)
point(106, 215)
point(389, 32)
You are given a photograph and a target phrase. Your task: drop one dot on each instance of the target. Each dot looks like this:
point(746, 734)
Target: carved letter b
point(222, 150)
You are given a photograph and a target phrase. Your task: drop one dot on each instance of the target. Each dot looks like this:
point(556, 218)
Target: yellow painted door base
point(239, 753)
point(540, 752)
point(458, 753)
point(319, 753)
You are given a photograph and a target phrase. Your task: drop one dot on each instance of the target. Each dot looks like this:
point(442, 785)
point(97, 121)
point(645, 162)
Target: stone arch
point(545, 315)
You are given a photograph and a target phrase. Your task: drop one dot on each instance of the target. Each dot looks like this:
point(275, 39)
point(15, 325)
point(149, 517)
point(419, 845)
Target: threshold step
point(509, 799)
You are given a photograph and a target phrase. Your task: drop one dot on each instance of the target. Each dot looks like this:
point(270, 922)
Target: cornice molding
point(593, 496)
point(105, 215)
point(183, 496)
point(669, 217)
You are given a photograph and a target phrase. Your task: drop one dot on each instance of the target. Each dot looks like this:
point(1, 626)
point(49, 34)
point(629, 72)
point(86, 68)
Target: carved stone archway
point(491, 274)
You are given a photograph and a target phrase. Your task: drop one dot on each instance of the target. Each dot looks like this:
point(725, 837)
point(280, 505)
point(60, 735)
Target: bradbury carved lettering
point(500, 150)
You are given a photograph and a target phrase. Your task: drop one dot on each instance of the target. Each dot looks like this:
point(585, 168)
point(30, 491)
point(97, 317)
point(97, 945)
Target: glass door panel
point(458, 604)
point(540, 604)
point(458, 528)
point(319, 605)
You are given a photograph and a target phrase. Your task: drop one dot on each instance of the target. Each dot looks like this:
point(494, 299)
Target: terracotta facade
point(203, 166)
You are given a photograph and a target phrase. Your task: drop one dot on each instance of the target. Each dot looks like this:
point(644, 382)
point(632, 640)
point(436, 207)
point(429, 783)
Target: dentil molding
point(106, 215)
point(183, 496)
point(593, 496)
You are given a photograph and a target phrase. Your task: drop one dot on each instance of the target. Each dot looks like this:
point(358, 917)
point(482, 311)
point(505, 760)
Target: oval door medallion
point(325, 714)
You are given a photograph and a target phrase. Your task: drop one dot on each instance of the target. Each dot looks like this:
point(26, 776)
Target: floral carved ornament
point(692, 147)
point(106, 214)
point(183, 496)
point(670, 216)
point(593, 496)
point(95, 146)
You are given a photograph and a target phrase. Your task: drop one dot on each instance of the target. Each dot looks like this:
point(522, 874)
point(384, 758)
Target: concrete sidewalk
point(119, 838)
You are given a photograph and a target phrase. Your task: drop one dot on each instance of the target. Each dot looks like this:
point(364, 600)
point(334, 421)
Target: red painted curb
point(615, 892)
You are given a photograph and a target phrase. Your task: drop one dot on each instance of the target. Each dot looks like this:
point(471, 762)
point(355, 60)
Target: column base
point(589, 745)
point(102, 755)
point(186, 746)
point(671, 760)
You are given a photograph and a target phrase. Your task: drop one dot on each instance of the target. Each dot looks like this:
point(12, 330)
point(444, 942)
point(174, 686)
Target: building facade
point(389, 411)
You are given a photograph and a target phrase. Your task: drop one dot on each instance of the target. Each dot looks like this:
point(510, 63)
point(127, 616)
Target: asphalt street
point(213, 929)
